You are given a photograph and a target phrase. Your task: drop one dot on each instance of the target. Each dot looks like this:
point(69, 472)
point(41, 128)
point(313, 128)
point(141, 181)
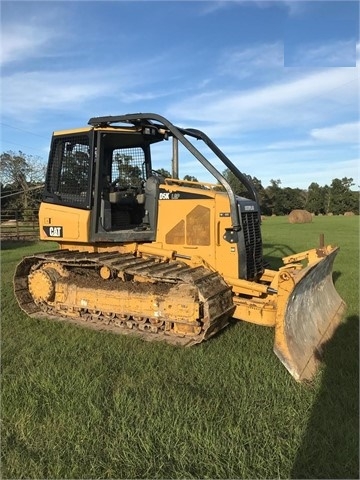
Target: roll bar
point(147, 119)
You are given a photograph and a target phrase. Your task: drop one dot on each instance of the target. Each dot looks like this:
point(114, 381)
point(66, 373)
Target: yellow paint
point(72, 131)
point(202, 238)
point(75, 222)
point(254, 310)
point(139, 304)
point(87, 129)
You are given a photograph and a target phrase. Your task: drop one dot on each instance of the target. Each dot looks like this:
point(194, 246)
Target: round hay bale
point(349, 214)
point(330, 214)
point(300, 216)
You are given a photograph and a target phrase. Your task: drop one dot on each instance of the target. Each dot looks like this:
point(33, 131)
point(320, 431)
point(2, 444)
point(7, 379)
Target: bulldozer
point(167, 259)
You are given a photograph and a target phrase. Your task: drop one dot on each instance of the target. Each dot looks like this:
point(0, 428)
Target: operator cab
point(107, 170)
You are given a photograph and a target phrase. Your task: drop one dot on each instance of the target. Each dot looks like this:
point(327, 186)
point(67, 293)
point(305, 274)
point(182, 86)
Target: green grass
point(83, 404)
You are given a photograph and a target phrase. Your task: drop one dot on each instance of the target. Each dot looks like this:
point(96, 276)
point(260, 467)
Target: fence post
point(17, 224)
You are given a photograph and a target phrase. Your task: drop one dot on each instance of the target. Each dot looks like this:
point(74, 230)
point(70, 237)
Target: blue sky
point(274, 83)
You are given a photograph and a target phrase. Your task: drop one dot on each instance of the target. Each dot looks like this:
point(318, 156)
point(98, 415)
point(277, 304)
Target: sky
point(274, 83)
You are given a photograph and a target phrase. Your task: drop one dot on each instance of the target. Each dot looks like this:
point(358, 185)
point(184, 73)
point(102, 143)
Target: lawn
point(78, 403)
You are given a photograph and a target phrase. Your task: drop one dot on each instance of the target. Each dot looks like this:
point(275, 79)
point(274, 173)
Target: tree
point(341, 199)
point(273, 192)
point(292, 199)
point(163, 173)
point(74, 169)
point(315, 201)
point(21, 175)
point(190, 178)
point(237, 186)
point(283, 200)
point(355, 202)
point(241, 190)
point(327, 197)
point(235, 183)
point(128, 174)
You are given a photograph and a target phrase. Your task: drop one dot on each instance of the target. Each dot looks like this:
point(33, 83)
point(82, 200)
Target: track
point(122, 293)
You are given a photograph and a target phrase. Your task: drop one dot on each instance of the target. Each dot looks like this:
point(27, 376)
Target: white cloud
point(23, 41)
point(294, 8)
point(37, 91)
point(330, 54)
point(297, 102)
point(348, 133)
point(345, 132)
point(243, 62)
point(290, 144)
point(213, 6)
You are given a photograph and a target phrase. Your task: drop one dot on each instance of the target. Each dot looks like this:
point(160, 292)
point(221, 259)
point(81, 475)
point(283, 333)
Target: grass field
point(83, 404)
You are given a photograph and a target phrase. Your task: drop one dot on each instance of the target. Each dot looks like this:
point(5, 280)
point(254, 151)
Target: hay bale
point(300, 216)
point(349, 214)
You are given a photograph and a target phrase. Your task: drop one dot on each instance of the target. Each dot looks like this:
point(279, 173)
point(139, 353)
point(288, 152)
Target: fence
point(14, 226)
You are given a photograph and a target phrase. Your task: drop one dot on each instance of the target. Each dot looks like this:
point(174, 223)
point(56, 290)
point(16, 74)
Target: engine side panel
point(64, 224)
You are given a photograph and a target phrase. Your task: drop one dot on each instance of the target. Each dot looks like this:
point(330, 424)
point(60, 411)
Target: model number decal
point(54, 231)
point(163, 195)
point(169, 196)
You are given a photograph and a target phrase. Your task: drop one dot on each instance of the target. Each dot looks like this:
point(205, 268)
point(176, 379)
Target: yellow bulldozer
point(163, 258)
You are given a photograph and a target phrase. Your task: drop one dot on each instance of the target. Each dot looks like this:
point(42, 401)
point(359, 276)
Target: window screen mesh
point(128, 166)
point(69, 175)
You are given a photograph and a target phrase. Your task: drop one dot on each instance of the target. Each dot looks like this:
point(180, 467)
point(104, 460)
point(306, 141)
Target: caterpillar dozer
point(163, 258)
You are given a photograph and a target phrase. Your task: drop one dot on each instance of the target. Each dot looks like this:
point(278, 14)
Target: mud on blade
point(311, 311)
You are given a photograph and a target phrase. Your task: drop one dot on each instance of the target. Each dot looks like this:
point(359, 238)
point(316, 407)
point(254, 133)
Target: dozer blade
point(309, 310)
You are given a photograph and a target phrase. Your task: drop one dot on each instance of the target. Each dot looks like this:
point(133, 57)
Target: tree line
point(337, 198)
point(21, 181)
point(22, 177)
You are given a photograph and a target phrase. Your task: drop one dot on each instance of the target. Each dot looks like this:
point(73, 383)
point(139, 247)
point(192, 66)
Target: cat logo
point(54, 231)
